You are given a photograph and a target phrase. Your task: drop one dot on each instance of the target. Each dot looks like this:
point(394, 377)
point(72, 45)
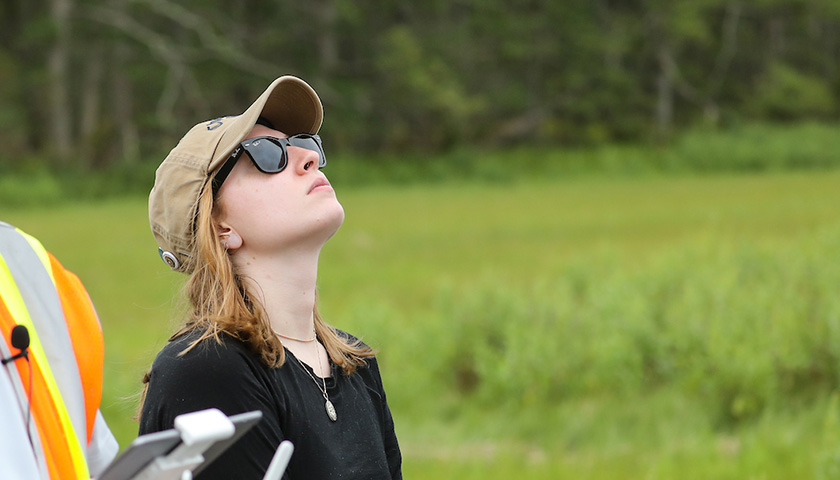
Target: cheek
point(246, 188)
point(255, 204)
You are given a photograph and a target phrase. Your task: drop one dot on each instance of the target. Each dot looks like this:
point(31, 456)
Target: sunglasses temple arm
point(224, 171)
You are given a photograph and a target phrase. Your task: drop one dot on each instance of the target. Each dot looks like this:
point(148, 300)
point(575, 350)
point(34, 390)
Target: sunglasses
point(269, 154)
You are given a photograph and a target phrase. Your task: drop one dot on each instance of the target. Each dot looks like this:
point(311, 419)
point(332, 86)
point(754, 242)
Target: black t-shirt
point(361, 444)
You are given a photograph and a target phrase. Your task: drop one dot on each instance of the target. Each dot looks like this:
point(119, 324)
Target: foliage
point(740, 329)
point(753, 147)
point(39, 188)
point(114, 82)
point(785, 94)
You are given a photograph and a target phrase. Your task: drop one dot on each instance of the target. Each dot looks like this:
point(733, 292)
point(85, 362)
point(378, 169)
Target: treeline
point(100, 84)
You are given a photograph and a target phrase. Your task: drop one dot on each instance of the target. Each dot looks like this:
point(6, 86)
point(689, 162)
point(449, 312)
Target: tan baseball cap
point(292, 107)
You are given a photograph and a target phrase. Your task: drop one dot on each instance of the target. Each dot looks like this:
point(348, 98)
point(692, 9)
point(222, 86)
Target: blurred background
point(590, 238)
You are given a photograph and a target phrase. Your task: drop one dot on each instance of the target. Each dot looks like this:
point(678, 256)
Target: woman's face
point(274, 212)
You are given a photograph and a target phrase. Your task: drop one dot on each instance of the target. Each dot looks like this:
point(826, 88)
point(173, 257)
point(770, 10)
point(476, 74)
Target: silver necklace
point(323, 388)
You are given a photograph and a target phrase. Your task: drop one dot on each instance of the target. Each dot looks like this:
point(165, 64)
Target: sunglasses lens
point(310, 142)
point(269, 157)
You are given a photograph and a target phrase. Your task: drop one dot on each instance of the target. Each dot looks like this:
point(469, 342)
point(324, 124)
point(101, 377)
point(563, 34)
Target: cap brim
point(289, 103)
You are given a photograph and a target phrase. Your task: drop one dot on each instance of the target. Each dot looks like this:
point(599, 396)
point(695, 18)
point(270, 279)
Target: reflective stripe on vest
point(29, 293)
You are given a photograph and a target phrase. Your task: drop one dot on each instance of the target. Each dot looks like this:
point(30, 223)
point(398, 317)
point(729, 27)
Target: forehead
point(263, 131)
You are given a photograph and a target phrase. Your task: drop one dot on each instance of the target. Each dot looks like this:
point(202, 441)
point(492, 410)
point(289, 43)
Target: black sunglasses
point(269, 154)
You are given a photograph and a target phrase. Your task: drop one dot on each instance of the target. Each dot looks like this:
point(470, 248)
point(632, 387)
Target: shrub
point(743, 329)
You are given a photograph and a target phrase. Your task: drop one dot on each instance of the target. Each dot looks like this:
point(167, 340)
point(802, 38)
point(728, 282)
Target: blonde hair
point(220, 303)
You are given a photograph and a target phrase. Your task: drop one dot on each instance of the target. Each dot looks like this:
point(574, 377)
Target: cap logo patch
point(215, 123)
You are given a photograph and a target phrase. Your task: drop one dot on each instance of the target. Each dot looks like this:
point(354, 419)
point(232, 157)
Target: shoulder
point(190, 347)
point(354, 341)
point(369, 368)
point(189, 360)
point(220, 374)
point(349, 338)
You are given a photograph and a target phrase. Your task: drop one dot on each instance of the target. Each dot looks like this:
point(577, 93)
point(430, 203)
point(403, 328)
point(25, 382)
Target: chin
point(334, 219)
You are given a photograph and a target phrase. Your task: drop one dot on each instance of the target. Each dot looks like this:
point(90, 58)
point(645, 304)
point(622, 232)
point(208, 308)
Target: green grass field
point(649, 327)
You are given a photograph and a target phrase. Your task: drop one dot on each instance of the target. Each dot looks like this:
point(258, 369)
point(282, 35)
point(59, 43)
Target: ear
point(230, 240)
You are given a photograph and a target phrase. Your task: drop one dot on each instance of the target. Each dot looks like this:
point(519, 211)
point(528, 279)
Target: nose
point(303, 159)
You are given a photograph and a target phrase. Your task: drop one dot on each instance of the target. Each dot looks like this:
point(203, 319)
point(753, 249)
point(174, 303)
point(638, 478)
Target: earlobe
point(230, 240)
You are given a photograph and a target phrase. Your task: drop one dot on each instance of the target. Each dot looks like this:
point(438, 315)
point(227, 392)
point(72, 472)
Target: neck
point(285, 285)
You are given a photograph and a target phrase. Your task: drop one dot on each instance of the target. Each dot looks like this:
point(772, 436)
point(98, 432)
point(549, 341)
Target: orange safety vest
point(66, 351)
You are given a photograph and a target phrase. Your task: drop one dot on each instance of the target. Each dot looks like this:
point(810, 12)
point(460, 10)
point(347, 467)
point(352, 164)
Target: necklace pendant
point(330, 410)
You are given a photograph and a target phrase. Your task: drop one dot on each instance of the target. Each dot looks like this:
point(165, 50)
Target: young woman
point(241, 205)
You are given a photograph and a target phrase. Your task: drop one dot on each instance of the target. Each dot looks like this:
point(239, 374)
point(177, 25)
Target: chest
point(353, 442)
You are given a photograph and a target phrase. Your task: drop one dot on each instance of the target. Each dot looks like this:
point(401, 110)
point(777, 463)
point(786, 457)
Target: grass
point(655, 436)
point(518, 325)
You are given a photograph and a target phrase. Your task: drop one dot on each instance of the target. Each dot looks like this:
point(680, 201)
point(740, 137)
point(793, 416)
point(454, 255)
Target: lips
point(321, 182)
